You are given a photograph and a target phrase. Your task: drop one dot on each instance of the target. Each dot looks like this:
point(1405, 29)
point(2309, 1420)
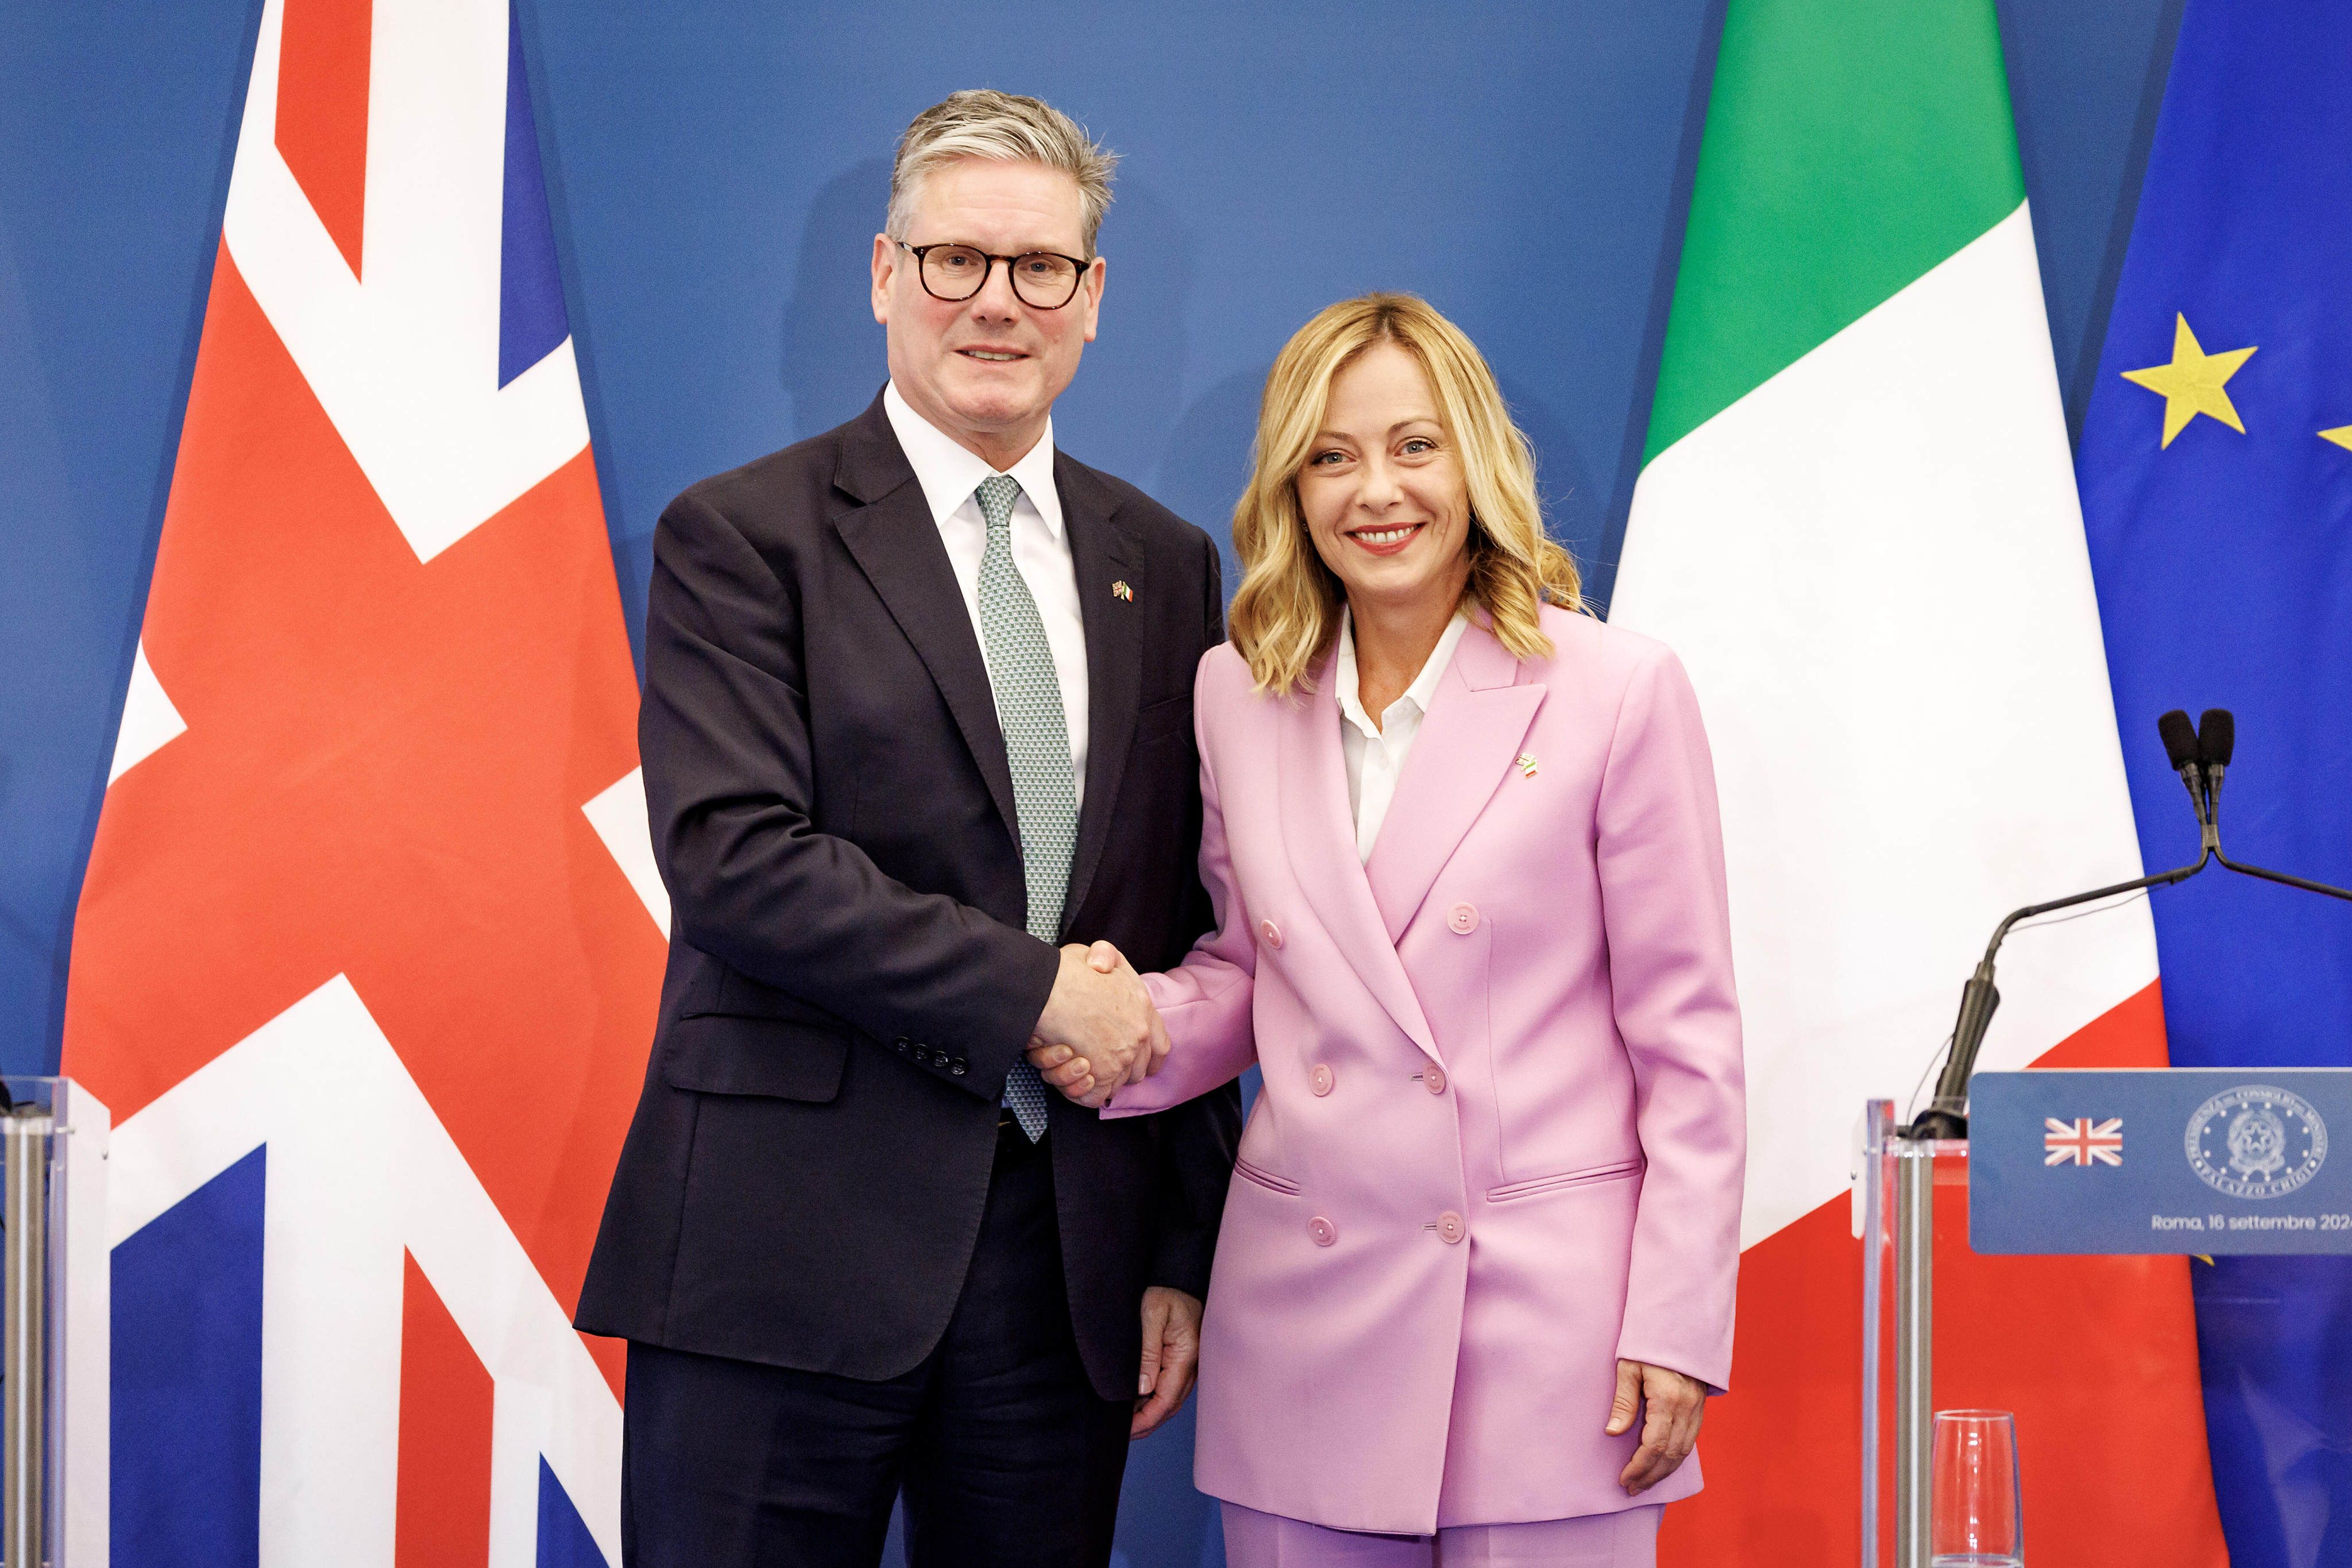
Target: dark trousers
point(1004, 1452)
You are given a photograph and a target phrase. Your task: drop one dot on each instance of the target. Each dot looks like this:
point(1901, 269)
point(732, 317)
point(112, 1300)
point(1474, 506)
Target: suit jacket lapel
point(1319, 830)
point(891, 535)
point(1101, 553)
point(1468, 742)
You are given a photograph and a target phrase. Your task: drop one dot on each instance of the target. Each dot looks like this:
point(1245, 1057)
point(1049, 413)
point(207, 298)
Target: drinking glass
point(1974, 1521)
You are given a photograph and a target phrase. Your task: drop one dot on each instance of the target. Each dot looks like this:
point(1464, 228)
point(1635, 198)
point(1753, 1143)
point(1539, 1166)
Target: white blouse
point(1376, 752)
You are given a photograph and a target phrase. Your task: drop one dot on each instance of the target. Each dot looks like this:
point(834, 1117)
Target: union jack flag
point(369, 948)
point(2081, 1142)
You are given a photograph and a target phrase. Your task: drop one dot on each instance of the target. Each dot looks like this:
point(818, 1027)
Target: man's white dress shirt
point(1376, 752)
point(950, 473)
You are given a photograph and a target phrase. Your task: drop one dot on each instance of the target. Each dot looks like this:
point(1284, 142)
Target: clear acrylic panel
point(54, 1319)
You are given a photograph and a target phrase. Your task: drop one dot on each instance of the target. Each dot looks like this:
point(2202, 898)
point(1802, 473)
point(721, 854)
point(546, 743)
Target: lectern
point(2199, 1161)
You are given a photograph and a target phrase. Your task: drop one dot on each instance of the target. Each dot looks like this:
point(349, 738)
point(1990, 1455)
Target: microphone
point(2217, 736)
point(2216, 741)
point(2182, 748)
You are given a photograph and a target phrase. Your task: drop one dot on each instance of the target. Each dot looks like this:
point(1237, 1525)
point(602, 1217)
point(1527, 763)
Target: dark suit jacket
point(849, 979)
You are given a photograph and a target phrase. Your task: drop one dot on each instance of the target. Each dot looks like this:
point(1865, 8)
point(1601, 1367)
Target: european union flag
point(2216, 474)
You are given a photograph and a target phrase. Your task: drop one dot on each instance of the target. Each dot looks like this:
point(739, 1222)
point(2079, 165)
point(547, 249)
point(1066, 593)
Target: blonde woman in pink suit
point(1475, 1279)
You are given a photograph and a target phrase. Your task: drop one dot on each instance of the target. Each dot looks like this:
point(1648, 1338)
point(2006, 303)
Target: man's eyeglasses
point(956, 272)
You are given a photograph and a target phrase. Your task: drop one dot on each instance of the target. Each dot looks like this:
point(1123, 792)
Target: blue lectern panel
point(2198, 1160)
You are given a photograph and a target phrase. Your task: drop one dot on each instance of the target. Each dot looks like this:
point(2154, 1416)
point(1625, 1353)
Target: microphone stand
point(1947, 1115)
point(2283, 879)
point(1914, 1151)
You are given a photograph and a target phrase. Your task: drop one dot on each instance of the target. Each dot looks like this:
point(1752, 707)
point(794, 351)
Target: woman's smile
point(1388, 540)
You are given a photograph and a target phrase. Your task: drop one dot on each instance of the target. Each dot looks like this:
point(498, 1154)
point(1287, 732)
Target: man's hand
point(1171, 1355)
point(1088, 1051)
point(1677, 1404)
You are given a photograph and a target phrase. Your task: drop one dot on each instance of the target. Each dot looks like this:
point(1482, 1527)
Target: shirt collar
point(949, 472)
point(1420, 693)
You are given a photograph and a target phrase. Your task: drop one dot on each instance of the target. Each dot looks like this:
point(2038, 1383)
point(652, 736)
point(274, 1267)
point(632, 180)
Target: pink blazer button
point(1271, 931)
point(1462, 917)
point(1435, 1079)
point(1325, 1233)
point(1321, 1079)
point(1450, 1228)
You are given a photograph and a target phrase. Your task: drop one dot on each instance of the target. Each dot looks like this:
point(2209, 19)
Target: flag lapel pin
point(1120, 591)
point(1527, 763)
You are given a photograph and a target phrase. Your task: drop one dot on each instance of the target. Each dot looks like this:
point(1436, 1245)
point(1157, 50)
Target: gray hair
point(1003, 127)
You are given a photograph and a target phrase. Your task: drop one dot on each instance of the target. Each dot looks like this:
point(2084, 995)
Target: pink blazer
point(1502, 1135)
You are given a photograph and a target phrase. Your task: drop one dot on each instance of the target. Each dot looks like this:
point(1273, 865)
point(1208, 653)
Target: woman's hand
point(1677, 1404)
point(1063, 1069)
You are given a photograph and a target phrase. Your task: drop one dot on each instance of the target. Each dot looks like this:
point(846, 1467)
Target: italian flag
point(1856, 523)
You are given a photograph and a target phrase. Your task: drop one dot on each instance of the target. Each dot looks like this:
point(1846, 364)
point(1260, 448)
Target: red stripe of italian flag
point(1857, 524)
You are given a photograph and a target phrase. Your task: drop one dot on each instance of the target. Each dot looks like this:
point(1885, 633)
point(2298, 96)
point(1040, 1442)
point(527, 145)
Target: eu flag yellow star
point(2192, 384)
point(2341, 435)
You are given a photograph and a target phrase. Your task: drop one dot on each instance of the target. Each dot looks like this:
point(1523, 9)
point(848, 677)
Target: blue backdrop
point(716, 173)
point(718, 170)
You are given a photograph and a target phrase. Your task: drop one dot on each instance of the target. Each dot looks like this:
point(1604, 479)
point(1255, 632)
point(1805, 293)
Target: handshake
point(1099, 1031)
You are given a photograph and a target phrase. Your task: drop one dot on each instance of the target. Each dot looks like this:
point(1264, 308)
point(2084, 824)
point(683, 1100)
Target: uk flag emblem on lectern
point(2081, 1142)
point(368, 951)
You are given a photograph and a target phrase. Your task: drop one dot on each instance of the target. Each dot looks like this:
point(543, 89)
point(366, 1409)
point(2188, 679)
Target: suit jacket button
point(1450, 1228)
point(1322, 1079)
point(1271, 931)
point(1324, 1232)
point(958, 1068)
point(900, 1045)
point(1434, 1080)
point(1462, 917)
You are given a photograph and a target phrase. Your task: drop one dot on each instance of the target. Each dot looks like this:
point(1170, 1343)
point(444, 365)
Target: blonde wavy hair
point(1286, 612)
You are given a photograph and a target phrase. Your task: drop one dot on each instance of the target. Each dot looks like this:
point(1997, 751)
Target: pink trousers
point(1623, 1539)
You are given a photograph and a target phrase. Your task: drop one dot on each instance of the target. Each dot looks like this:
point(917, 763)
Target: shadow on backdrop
point(832, 359)
point(1573, 507)
point(1119, 413)
point(1207, 460)
point(1609, 548)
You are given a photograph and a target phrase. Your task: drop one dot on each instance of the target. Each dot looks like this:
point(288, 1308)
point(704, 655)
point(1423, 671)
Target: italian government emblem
point(2256, 1142)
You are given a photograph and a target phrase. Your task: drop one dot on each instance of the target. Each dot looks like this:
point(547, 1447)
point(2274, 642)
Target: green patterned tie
point(1036, 745)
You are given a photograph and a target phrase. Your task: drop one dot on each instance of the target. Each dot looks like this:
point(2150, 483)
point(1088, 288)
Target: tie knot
point(997, 493)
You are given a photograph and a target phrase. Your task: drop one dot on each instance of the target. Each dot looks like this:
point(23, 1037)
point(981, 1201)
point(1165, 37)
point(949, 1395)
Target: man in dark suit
point(916, 727)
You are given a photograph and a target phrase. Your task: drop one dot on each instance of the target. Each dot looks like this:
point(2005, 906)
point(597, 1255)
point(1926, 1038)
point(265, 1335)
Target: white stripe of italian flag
point(1857, 525)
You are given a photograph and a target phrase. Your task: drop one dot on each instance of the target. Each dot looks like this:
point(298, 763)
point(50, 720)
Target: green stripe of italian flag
point(1856, 523)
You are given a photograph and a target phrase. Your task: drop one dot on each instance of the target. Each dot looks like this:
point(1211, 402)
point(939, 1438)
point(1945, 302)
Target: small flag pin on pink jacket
point(1121, 591)
point(1527, 763)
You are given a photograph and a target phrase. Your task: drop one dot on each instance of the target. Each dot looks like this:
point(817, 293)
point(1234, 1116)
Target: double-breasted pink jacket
point(1502, 1137)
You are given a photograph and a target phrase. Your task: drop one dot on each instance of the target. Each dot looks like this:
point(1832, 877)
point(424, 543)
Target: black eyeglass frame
point(987, 269)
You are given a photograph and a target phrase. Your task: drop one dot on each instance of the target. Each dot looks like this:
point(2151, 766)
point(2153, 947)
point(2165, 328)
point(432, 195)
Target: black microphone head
point(2217, 736)
point(2179, 739)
